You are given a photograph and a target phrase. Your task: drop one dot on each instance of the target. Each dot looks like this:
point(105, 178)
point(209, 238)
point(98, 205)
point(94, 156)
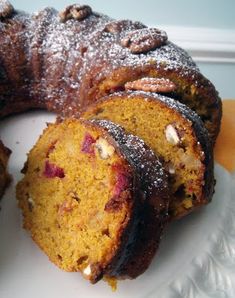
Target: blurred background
point(205, 28)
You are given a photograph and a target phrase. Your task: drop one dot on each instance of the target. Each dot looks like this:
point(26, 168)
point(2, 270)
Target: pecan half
point(75, 11)
point(160, 85)
point(6, 9)
point(105, 150)
point(144, 40)
point(174, 134)
point(119, 26)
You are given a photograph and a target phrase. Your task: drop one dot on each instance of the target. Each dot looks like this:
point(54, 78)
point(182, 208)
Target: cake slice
point(175, 133)
point(95, 199)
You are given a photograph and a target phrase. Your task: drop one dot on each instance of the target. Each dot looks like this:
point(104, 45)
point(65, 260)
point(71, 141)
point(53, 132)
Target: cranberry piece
point(119, 194)
point(122, 178)
point(122, 182)
point(87, 144)
point(52, 171)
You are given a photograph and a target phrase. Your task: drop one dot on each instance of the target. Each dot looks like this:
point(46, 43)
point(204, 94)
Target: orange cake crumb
point(175, 133)
point(89, 190)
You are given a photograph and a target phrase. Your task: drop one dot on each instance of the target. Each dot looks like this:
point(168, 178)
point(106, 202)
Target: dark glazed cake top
point(77, 44)
point(65, 61)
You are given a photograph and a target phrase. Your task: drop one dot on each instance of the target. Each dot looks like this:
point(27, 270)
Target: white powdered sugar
point(70, 64)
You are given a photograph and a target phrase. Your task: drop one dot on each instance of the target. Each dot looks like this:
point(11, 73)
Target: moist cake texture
point(94, 198)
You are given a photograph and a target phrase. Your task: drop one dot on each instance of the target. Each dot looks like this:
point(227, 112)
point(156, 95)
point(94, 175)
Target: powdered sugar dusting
point(66, 62)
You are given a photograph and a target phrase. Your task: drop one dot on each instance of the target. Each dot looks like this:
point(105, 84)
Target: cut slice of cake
point(95, 199)
point(175, 133)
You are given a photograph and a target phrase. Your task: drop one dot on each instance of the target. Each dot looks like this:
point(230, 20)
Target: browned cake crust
point(153, 212)
point(142, 201)
point(66, 61)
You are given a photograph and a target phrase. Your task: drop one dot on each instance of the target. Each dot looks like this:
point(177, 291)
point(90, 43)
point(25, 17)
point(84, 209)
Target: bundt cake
point(175, 133)
point(4, 176)
point(94, 198)
point(65, 61)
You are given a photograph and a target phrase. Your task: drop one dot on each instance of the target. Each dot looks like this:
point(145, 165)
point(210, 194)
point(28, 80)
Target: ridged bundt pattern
point(65, 61)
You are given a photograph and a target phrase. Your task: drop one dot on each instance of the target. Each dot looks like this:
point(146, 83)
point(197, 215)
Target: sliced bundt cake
point(175, 133)
point(94, 199)
point(65, 61)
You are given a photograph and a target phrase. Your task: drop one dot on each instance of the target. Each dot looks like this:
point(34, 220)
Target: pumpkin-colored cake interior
point(185, 92)
point(65, 197)
point(169, 135)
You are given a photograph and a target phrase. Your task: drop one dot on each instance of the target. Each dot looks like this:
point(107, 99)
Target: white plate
point(196, 257)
